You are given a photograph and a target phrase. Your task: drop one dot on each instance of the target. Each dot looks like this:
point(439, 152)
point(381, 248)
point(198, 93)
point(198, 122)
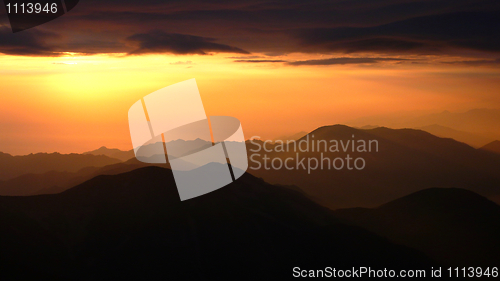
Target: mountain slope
point(177, 148)
point(14, 166)
point(474, 140)
point(133, 225)
point(480, 121)
point(475, 120)
point(454, 226)
point(113, 153)
point(55, 182)
point(493, 146)
point(295, 136)
point(402, 162)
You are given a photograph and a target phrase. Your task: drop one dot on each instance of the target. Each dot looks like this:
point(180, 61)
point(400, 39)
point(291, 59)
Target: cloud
point(259, 61)
point(275, 27)
point(493, 62)
point(246, 57)
point(28, 43)
point(175, 43)
point(341, 61)
point(182, 62)
point(427, 34)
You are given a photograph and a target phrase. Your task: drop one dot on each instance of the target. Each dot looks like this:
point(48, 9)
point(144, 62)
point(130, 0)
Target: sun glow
point(75, 102)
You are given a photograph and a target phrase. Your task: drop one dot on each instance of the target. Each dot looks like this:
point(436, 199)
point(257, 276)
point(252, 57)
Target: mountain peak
point(133, 224)
point(443, 199)
point(493, 146)
point(151, 181)
point(451, 225)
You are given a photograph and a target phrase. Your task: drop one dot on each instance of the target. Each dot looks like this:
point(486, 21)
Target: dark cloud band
point(162, 42)
point(369, 28)
point(429, 34)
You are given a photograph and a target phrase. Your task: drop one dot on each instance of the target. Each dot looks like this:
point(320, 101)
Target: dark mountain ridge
point(407, 160)
point(133, 225)
point(113, 153)
point(493, 146)
point(14, 166)
point(455, 226)
point(55, 182)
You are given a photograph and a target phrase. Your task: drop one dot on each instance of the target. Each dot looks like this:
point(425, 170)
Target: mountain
point(113, 153)
point(475, 120)
point(454, 226)
point(14, 166)
point(481, 121)
point(30, 184)
point(367, 127)
point(134, 226)
point(493, 146)
point(55, 182)
point(177, 148)
point(474, 140)
point(295, 136)
point(401, 162)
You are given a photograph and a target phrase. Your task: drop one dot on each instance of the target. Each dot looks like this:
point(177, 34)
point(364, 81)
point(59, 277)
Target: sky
point(279, 66)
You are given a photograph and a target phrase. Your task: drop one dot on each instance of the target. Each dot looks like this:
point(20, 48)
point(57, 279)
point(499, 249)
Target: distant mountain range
point(133, 226)
point(95, 217)
point(493, 146)
point(55, 181)
point(14, 166)
point(408, 160)
point(475, 127)
point(474, 140)
point(177, 148)
point(113, 153)
point(454, 226)
point(295, 136)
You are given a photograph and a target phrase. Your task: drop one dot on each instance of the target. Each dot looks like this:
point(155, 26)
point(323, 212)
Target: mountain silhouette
point(55, 182)
point(474, 140)
point(113, 153)
point(407, 160)
point(177, 148)
point(474, 121)
point(14, 166)
point(480, 121)
point(493, 146)
point(454, 226)
point(295, 136)
point(133, 225)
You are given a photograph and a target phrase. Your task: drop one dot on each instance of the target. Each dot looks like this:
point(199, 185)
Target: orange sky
point(78, 103)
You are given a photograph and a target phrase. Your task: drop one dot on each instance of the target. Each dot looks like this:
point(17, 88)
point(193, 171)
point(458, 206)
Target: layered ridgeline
point(113, 153)
point(375, 166)
point(58, 181)
point(340, 166)
point(454, 226)
point(475, 127)
point(492, 147)
point(473, 139)
point(14, 166)
point(178, 148)
point(44, 173)
point(133, 225)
